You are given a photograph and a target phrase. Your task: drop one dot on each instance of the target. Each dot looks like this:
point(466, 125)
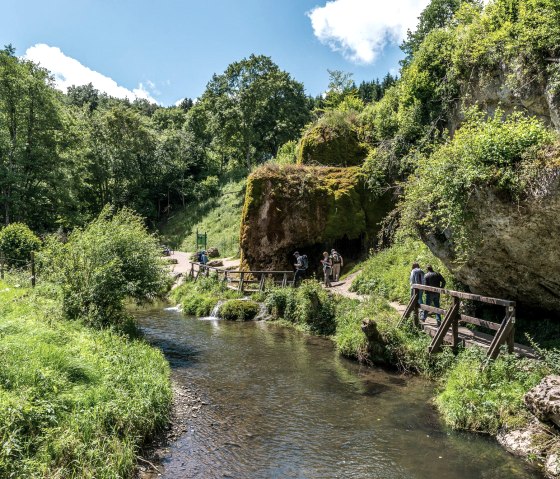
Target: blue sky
point(169, 49)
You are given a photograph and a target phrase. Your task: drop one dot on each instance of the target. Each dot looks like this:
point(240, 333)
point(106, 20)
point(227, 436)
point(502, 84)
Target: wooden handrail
point(216, 268)
point(462, 295)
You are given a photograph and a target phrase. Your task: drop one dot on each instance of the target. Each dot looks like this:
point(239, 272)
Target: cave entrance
point(351, 250)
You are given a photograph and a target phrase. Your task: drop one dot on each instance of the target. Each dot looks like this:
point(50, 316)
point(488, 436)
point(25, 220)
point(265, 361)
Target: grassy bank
point(198, 298)
point(74, 402)
point(218, 216)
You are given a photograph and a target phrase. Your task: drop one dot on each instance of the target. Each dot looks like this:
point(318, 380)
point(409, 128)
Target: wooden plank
point(409, 308)
point(479, 322)
point(241, 280)
point(432, 309)
point(284, 280)
point(451, 316)
point(461, 295)
point(261, 284)
point(506, 328)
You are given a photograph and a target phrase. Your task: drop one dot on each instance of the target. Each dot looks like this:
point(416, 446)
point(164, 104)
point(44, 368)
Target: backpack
point(304, 261)
point(336, 258)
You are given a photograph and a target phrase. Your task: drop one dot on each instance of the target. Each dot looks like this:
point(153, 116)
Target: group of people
point(202, 257)
point(331, 263)
point(431, 278)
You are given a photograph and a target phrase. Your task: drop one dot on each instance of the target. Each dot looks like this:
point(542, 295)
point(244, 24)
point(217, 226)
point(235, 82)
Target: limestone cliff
point(310, 209)
point(516, 253)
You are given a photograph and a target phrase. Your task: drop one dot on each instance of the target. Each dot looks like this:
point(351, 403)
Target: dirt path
point(343, 287)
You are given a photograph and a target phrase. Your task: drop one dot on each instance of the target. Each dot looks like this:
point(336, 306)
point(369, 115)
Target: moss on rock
point(332, 141)
point(239, 310)
point(306, 208)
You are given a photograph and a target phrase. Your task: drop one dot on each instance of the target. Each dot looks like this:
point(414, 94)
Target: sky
point(168, 50)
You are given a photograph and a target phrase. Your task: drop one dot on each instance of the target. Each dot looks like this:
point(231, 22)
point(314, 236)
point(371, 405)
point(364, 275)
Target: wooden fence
point(503, 333)
point(243, 281)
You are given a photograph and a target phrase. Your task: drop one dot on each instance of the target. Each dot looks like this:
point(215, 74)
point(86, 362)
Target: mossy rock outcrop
point(309, 209)
point(332, 141)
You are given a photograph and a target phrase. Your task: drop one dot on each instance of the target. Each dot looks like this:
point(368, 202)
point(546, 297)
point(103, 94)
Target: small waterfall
point(262, 314)
point(215, 311)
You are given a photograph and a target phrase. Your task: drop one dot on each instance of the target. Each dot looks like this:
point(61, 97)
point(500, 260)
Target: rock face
point(309, 209)
point(516, 254)
point(544, 400)
point(521, 442)
point(493, 89)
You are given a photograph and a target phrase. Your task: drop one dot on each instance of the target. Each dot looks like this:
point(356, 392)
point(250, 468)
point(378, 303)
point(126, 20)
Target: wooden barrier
point(243, 280)
point(453, 317)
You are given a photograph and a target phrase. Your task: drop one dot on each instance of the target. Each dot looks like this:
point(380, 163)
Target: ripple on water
point(282, 404)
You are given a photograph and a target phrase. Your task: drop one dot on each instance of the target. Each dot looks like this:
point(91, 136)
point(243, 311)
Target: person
point(416, 277)
point(436, 280)
point(337, 264)
point(327, 269)
point(301, 268)
point(203, 257)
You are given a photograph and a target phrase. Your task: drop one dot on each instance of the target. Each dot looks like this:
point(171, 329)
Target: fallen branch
point(148, 462)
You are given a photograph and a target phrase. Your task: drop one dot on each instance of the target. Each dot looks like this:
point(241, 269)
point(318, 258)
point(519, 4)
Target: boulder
point(544, 400)
point(309, 209)
point(213, 252)
point(521, 442)
point(552, 465)
point(215, 263)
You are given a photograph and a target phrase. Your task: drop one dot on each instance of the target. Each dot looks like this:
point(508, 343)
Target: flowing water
point(280, 404)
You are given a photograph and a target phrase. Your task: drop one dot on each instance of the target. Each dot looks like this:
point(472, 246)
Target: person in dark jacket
point(416, 277)
point(436, 280)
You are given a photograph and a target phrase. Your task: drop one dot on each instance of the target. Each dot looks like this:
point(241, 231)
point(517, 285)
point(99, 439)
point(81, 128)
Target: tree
point(251, 110)
point(436, 15)
point(31, 170)
point(83, 94)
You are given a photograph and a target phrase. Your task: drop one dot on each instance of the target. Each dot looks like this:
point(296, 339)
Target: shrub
point(112, 259)
point(483, 154)
point(308, 306)
point(17, 242)
point(239, 310)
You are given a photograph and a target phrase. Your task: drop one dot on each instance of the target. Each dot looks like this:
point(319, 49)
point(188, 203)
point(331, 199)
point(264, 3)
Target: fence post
point(455, 325)
point(32, 269)
point(284, 280)
point(416, 308)
point(241, 280)
point(261, 284)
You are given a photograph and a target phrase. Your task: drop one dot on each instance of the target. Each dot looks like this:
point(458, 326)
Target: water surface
point(278, 403)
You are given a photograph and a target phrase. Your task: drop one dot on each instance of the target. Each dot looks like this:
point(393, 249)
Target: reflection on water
point(285, 405)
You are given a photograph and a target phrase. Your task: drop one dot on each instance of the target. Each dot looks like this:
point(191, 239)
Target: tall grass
point(74, 402)
point(386, 272)
point(198, 298)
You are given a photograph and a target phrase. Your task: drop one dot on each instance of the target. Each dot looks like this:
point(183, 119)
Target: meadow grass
point(74, 402)
point(219, 217)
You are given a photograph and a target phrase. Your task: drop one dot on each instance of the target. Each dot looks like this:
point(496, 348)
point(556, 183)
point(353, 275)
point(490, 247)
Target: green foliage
point(487, 398)
point(386, 273)
point(287, 153)
point(17, 242)
point(198, 298)
point(309, 306)
point(74, 402)
point(239, 310)
point(482, 154)
point(112, 259)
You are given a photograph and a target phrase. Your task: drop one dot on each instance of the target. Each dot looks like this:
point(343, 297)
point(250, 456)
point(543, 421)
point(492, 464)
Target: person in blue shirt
point(416, 277)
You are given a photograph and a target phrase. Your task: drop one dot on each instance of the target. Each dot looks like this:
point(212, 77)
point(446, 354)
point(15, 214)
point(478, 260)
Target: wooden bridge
point(243, 281)
point(452, 333)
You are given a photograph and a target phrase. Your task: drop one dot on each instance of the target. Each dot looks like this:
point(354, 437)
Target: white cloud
point(68, 71)
point(360, 29)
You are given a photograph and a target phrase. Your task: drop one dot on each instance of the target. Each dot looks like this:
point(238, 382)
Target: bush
point(17, 242)
point(239, 310)
point(308, 306)
point(112, 259)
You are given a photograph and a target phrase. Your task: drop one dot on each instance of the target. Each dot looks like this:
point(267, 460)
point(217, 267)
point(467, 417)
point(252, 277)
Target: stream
point(276, 403)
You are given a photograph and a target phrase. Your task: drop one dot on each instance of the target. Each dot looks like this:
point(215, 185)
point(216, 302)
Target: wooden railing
point(452, 317)
point(243, 281)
